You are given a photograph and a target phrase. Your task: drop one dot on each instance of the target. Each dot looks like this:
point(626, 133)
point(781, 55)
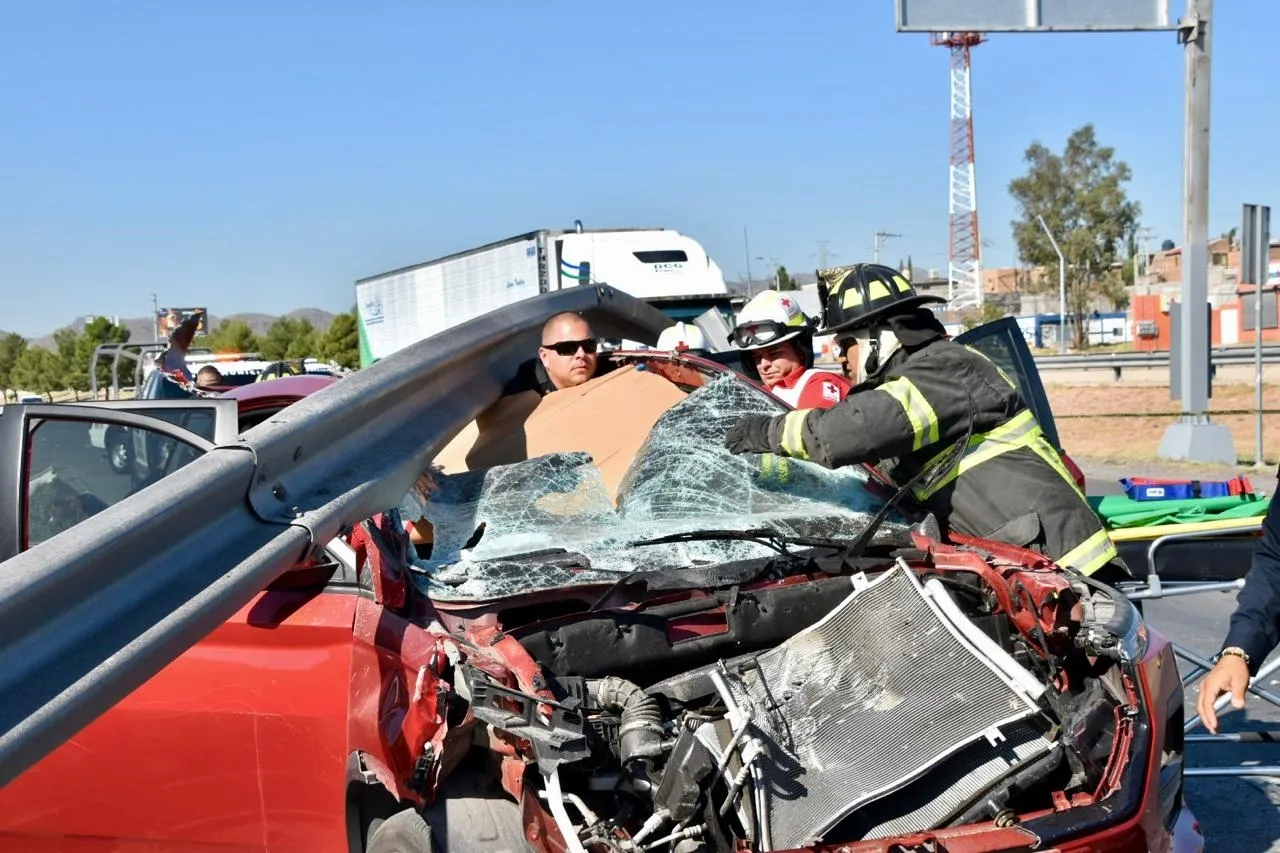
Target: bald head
point(568, 351)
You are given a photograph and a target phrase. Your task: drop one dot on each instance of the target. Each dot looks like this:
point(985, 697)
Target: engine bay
point(819, 707)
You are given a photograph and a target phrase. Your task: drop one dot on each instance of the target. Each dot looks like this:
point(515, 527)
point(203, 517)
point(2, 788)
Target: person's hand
point(749, 435)
point(1229, 674)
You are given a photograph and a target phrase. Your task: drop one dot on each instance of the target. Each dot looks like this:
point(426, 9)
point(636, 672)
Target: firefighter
point(776, 340)
point(918, 395)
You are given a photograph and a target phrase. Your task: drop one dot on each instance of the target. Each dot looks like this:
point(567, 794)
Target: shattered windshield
point(549, 522)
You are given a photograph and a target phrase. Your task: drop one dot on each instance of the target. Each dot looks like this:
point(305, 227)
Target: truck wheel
point(403, 832)
point(117, 452)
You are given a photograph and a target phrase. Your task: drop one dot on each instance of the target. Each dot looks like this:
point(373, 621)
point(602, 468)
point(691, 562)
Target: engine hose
point(641, 729)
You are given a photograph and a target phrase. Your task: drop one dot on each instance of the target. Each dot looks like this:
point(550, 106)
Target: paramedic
point(776, 340)
point(919, 396)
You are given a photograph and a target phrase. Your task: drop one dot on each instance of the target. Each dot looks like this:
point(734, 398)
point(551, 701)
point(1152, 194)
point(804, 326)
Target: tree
point(785, 281)
point(11, 346)
point(99, 330)
point(233, 336)
point(341, 343)
point(37, 369)
point(1080, 193)
point(289, 338)
point(70, 372)
point(973, 318)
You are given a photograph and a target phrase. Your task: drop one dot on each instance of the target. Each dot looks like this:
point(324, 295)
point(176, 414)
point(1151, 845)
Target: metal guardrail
point(1218, 357)
point(89, 615)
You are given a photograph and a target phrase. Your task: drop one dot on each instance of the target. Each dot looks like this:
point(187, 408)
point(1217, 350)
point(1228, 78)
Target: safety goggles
point(568, 348)
point(759, 334)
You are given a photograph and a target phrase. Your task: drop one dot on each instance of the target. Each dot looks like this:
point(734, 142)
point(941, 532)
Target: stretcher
point(1189, 549)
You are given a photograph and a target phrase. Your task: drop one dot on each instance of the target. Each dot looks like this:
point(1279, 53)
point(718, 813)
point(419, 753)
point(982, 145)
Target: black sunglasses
point(567, 348)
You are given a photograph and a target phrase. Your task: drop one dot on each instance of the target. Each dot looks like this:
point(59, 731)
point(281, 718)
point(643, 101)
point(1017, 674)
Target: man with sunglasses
point(775, 339)
point(568, 352)
point(940, 417)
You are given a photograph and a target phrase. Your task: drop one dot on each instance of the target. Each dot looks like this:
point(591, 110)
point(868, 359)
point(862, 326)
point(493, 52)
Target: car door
point(240, 743)
point(1003, 343)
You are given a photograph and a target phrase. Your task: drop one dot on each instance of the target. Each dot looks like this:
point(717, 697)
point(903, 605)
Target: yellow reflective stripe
point(793, 434)
point(773, 467)
point(924, 420)
point(852, 298)
point(1045, 451)
point(879, 290)
point(1091, 554)
point(1019, 431)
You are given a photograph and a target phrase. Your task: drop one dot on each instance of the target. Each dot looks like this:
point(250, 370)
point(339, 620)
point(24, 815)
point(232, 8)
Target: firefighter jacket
point(1010, 485)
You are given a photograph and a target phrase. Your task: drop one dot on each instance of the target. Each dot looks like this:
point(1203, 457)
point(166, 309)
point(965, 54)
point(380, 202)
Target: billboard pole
point(1194, 437)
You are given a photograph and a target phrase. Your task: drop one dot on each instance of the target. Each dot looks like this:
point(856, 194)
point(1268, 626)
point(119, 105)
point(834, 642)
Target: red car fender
point(396, 705)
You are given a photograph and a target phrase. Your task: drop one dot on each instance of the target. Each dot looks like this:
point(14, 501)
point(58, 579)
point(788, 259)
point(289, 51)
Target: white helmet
point(682, 336)
point(769, 318)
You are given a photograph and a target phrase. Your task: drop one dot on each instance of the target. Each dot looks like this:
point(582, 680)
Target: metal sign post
point(1194, 437)
point(1255, 259)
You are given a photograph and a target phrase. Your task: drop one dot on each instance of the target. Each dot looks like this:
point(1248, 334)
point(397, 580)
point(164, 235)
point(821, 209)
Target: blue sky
point(261, 156)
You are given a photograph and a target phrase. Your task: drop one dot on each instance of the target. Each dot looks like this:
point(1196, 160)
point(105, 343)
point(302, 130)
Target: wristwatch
point(1232, 650)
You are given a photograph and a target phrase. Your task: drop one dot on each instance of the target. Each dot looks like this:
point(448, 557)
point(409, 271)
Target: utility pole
point(746, 245)
point(155, 310)
point(880, 238)
point(822, 254)
point(1144, 234)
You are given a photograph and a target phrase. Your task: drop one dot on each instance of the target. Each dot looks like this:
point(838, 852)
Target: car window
point(1003, 343)
point(68, 478)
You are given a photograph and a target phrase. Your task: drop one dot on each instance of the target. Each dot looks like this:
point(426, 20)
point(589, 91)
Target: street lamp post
point(1062, 290)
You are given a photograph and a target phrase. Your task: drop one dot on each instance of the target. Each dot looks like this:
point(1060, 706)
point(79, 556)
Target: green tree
point(37, 369)
point(290, 337)
point(973, 318)
point(11, 346)
point(73, 373)
point(1081, 195)
point(233, 336)
point(785, 281)
point(341, 343)
point(98, 331)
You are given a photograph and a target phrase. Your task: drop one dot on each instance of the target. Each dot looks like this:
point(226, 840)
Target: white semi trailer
point(661, 266)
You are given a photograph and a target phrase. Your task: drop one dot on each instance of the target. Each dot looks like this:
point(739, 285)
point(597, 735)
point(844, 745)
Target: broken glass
point(549, 522)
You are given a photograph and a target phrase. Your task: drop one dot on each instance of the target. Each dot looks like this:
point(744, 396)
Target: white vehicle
point(663, 267)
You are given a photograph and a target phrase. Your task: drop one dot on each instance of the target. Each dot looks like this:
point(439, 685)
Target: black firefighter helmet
point(861, 295)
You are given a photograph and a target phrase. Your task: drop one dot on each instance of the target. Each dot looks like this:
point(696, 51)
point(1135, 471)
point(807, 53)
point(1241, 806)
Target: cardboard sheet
point(608, 417)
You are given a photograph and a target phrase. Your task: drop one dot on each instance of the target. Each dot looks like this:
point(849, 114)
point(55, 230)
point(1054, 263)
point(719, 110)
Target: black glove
point(750, 435)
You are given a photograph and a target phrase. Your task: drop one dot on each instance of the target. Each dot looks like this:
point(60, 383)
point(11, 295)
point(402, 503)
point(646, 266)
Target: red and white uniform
point(812, 388)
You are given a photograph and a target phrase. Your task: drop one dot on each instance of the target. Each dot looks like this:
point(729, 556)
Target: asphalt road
point(1236, 813)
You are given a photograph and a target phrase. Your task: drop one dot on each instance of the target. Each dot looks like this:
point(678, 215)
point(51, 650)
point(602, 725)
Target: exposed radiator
point(889, 685)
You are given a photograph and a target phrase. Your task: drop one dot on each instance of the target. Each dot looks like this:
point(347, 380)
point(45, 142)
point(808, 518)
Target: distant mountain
point(142, 329)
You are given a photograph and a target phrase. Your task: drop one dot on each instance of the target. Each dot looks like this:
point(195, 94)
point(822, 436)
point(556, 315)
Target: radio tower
point(964, 272)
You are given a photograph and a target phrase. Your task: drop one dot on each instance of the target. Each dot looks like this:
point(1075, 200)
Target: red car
point(667, 648)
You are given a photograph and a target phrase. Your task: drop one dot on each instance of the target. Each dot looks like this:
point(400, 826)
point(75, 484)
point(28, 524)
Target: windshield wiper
point(763, 535)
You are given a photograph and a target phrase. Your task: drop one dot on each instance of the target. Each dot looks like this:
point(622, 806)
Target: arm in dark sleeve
point(1255, 626)
point(868, 426)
